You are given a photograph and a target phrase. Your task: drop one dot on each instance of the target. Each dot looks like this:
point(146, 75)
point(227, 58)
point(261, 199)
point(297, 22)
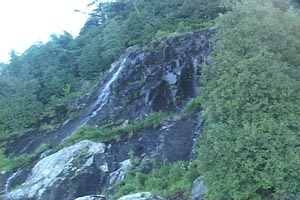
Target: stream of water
point(104, 96)
point(94, 108)
point(90, 112)
point(10, 179)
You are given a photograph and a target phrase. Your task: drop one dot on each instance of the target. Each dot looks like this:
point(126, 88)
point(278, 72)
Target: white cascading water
point(195, 63)
point(195, 66)
point(7, 184)
point(103, 97)
point(204, 61)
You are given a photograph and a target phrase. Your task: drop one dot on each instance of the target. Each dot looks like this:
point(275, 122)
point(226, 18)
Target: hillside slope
point(138, 89)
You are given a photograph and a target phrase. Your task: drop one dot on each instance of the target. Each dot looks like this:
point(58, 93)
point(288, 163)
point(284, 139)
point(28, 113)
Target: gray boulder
point(119, 174)
point(198, 190)
point(141, 196)
point(63, 174)
point(92, 197)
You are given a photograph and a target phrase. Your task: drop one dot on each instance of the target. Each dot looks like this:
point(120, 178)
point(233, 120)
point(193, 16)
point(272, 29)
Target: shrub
point(167, 180)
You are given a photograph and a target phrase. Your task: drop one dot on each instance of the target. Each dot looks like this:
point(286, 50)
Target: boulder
point(93, 197)
point(119, 174)
point(198, 190)
point(141, 196)
point(63, 175)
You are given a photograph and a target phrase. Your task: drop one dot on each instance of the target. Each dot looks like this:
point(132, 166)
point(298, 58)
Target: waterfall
point(204, 61)
point(93, 109)
point(103, 97)
point(10, 179)
point(195, 64)
point(195, 80)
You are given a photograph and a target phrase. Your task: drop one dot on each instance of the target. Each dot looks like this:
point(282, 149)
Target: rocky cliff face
point(161, 77)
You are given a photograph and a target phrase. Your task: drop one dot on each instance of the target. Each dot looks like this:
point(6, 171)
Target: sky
point(26, 22)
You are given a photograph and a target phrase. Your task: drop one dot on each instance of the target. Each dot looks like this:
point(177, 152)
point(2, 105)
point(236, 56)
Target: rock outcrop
point(63, 175)
point(162, 78)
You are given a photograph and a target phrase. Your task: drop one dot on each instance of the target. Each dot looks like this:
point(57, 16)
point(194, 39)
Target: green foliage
point(250, 146)
point(194, 105)
point(168, 180)
point(103, 134)
point(130, 23)
point(43, 147)
point(37, 85)
point(13, 162)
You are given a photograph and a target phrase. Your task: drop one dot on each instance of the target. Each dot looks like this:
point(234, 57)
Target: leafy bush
point(250, 144)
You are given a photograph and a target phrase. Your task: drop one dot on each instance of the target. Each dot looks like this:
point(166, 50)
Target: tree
point(250, 144)
point(42, 74)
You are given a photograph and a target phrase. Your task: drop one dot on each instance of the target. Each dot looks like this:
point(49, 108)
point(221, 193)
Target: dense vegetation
point(250, 148)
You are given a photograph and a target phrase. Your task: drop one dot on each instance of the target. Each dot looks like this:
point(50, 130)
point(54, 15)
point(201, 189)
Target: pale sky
point(25, 22)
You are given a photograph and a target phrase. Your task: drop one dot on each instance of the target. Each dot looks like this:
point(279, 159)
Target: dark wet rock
point(171, 141)
point(161, 79)
point(160, 142)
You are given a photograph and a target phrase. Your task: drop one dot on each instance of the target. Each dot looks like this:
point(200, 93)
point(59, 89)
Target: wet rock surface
point(162, 78)
point(169, 142)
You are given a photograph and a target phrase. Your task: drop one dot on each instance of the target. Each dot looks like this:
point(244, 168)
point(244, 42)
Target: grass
point(194, 105)
point(102, 134)
point(6, 136)
point(11, 163)
point(168, 180)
